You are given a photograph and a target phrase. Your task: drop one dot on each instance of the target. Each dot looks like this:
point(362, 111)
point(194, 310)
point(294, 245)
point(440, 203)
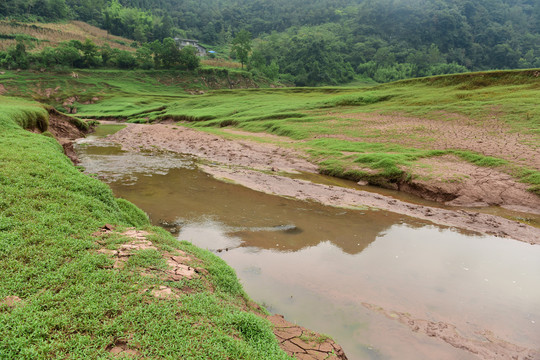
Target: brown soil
point(304, 344)
point(490, 137)
point(448, 179)
point(65, 133)
point(295, 340)
point(11, 301)
point(486, 345)
point(183, 140)
point(240, 157)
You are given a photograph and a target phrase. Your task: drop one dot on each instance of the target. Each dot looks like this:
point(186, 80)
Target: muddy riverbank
point(255, 165)
point(384, 285)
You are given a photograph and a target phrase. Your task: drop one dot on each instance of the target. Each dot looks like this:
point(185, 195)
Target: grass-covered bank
point(375, 133)
point(144, 90)
point(386, 134)
point(61, 297)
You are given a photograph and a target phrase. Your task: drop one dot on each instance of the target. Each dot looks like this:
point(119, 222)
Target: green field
point(334, 126)
point(62, 299)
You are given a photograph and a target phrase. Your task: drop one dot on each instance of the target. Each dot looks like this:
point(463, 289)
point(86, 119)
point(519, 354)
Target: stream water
point(319, 266)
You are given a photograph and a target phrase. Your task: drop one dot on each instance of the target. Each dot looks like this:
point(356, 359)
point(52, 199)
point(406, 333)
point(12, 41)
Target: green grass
point(74, 304)
point(306, 115)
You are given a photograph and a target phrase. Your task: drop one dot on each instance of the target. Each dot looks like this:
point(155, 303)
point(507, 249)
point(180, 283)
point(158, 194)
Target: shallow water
point(318, 265)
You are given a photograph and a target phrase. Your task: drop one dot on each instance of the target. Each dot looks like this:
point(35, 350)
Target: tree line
point(313, 42)
point(76, 54)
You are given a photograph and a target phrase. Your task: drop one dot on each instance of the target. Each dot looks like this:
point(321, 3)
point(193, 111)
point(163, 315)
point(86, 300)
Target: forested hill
point(327, 41)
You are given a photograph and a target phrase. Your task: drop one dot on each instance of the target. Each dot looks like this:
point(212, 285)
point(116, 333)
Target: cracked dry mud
point(490, 137)
point(304, 344)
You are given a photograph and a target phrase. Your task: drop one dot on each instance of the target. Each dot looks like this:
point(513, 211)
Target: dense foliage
point(327, 42)
point(155, 55)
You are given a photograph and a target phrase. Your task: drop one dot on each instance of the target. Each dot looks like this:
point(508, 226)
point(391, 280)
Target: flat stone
point(181, 259)
point(116, 350)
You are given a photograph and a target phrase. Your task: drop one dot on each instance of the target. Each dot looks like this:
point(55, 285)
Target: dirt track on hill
point(236, 160)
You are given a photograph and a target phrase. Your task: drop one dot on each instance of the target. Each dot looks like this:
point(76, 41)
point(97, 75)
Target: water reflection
point(317, 265)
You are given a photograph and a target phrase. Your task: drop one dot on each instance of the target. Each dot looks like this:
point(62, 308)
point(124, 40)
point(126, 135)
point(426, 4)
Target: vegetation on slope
point(326, 42)
point(380, 134)
point(61, 298)
point(40, 35)
point(340, 130)
point(121, 94)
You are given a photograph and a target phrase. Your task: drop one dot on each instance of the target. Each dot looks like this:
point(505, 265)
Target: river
point(369, 279)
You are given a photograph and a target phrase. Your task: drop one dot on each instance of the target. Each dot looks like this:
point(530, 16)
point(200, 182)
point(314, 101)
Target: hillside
point(39, 35)
point(327, 43)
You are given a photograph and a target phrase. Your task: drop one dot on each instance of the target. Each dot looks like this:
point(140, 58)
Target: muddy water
point(318, 265)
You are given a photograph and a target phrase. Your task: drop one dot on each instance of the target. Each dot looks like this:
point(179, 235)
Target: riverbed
point(382, 284)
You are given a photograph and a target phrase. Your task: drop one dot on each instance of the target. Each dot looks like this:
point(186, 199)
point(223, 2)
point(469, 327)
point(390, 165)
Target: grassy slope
point(125, 94)
point(309, 114)
point(51, 34)
point(323, 121)
point(325, 124)
point(74, 305)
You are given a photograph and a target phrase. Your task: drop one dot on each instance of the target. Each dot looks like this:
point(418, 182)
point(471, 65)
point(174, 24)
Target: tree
point(188, 58)
point(58, 9)
point(144, 57)
point(67, 55)
point(241, 46)
point(170, 54)
point(90, 53)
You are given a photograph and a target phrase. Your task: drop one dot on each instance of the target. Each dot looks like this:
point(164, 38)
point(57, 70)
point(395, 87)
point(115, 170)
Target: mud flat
point(252, 164)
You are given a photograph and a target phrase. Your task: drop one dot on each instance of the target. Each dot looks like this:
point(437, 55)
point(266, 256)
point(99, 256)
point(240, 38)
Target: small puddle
point(317, 265)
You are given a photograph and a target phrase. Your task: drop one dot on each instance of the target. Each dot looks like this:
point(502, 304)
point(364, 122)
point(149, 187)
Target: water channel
point(328, 268)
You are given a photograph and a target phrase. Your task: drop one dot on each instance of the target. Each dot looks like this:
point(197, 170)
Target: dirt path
point(235, 160)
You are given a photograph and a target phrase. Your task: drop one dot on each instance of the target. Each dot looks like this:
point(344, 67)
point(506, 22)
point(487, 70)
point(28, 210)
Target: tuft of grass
point(149, 258)
point(355, 100)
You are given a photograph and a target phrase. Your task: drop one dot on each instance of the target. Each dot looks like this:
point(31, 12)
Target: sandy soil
point(214, 148)
point(235, 160)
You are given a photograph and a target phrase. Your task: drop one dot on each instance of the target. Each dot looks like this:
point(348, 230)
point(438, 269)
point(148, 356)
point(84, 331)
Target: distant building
point(201, 50)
